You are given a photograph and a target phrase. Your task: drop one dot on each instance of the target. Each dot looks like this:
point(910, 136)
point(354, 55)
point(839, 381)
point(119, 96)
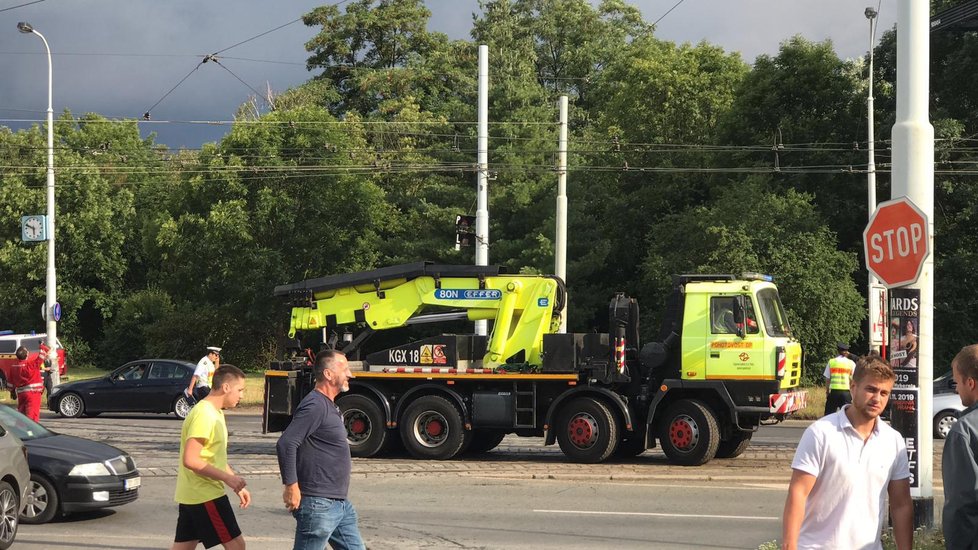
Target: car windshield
point(775, 319)
point(25, 428)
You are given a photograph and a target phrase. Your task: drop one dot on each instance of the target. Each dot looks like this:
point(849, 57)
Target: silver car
point(15, 481)
point(947, 407)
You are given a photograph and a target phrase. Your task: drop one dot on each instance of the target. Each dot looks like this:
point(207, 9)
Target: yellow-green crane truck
point(724, 361)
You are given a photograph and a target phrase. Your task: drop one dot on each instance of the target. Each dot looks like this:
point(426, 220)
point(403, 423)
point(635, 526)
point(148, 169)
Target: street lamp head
point(25, 27)
point(870, 13)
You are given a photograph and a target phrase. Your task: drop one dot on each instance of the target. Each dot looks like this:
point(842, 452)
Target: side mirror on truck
point(738, 314)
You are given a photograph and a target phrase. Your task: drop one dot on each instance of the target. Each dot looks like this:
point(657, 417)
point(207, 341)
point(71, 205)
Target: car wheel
point(943, 423)
point(9, 505)
point(42, 501)
point(181, 407)
point(71, 405)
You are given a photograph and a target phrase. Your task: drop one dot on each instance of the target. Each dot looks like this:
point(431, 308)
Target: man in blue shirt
point(960, 459)
point(314, 461)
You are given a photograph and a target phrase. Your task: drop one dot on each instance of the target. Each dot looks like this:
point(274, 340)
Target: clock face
point(33, 228)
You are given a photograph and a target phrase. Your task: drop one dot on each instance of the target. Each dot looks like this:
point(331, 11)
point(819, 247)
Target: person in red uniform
point(29, 383)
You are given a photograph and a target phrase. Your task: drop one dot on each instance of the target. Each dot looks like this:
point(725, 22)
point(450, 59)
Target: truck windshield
point(775, 320)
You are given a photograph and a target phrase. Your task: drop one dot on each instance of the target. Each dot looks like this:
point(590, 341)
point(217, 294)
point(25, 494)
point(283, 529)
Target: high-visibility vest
point(840, 369)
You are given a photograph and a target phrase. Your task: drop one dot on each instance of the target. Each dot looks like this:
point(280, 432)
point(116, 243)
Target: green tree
point(757, 227)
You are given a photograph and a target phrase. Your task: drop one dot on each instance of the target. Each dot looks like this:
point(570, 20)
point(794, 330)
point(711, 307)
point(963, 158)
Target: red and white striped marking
point(788, 402)
point(441, 370)
point(620, 354)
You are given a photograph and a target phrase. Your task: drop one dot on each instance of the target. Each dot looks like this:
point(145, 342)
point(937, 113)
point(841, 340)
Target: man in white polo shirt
point(845, 466)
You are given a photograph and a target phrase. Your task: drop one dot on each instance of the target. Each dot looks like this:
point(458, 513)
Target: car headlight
point(54, 390)
point(90, 470)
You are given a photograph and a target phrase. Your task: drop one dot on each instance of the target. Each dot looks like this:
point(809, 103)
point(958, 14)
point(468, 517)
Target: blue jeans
point(320, 520)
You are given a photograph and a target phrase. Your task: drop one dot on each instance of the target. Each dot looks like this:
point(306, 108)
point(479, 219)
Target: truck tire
point(689, 433)
point(366, 429)
point(432, 429)
point(587, 431)
point(484, 441)
point(735, 446)
point(631, 447)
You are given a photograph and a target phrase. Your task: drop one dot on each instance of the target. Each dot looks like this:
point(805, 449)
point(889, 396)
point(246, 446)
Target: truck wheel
point(587, 431)
point(484, 441)
point(631, 447)
point(432, 429)
point(735, 446)
point(689, 433)
point(366, 429)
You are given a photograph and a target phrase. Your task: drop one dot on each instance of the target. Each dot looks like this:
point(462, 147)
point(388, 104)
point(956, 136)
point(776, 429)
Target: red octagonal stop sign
point(896, 241)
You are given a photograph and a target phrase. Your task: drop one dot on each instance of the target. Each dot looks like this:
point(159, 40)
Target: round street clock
point(34, 228)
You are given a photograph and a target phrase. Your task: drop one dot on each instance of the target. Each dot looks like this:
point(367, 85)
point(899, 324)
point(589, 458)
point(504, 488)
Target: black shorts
point(210, 522)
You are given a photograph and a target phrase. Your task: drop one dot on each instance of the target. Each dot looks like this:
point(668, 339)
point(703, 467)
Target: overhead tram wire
point(668, 12)
point(257, 93)
point(146, 115)
point(213, 57)
point(20, 5)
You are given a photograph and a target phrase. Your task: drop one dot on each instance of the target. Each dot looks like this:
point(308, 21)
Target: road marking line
point(653, 514)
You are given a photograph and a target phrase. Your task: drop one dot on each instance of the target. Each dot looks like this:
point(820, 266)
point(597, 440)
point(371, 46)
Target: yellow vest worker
point(837, 374)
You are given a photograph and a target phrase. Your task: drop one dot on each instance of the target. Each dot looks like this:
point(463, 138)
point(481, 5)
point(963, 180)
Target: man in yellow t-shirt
point(206, 515)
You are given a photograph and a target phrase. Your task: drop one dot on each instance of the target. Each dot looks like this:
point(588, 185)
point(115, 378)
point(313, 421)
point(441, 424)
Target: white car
point(15, 477)
point(947, 406)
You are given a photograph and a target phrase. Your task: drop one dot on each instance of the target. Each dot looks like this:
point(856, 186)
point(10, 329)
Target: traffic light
point(464, 230)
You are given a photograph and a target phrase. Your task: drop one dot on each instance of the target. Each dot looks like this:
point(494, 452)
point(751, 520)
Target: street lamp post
point(871, 294)
point(51, 300)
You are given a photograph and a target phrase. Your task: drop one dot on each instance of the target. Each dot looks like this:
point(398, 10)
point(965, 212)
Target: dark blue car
point(70, 474)
point(146, 385)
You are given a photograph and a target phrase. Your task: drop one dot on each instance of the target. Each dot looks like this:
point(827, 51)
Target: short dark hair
point(966, 362)
point(225, 373)
point(877, 367)
point(325, 360)
point(21, 353)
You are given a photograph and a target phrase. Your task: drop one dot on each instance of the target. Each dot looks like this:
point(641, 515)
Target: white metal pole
point(482, 186)
point(873, 284)
point(51, 299)
point(560, 252)
point(913, 177)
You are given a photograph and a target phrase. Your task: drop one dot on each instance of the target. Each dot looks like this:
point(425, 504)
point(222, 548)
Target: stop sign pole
point(913, 179)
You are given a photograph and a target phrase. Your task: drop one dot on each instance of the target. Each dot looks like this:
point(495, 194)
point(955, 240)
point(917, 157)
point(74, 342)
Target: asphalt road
point(521, 495)
point(432, 511)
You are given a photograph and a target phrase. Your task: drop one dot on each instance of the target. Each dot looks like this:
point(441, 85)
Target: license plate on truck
point(788, 402)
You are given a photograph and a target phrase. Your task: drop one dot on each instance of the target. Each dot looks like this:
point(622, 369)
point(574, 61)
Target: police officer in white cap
point(200, 382)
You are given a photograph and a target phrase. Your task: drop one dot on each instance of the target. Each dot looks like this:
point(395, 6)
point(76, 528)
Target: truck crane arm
point(522, 307)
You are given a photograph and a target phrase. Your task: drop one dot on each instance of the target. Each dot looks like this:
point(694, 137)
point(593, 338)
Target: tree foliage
point(682, 158)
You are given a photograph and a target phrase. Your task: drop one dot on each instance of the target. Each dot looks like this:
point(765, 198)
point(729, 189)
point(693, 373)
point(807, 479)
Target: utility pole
point(560, 252)
point(913, 177)
point(876, 327)
point(482, 185)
